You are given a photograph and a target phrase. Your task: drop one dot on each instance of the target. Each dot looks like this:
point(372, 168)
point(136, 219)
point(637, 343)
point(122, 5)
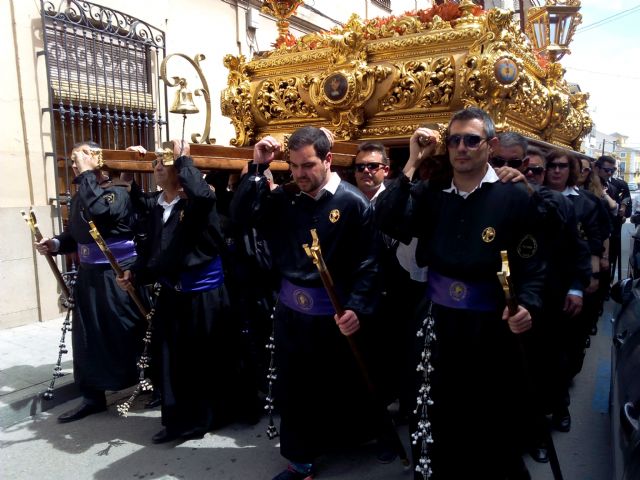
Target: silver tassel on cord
point(144, 384)
point(422, 435)
point(272, 431)
point(69, 280)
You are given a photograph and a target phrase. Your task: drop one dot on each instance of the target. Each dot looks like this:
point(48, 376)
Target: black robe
point(478, 379)
point(107, 327)
point(320, 392)
point(194, 337)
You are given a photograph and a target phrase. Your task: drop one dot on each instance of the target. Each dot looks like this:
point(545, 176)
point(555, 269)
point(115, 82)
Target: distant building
point(614, 144)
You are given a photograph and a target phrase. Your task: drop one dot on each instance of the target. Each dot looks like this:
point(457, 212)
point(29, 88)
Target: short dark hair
point(513, 139)
point(374, 147)
point(310, 136)
point(574, 164)
point(474, 113)
point(536, 151)
point(603, 159)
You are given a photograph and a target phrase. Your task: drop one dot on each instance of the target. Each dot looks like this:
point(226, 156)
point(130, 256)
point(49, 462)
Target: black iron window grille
point(103, 78)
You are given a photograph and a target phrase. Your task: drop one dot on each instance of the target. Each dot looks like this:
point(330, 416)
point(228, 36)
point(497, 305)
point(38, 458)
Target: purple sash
point(312, 301)
point(202, 278)
point(454, 293)
point(91, 253)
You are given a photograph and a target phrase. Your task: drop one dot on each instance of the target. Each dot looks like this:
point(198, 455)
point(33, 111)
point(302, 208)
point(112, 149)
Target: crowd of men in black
point(414, 256)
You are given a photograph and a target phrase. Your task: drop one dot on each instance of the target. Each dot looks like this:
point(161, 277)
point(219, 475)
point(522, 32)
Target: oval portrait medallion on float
point(335, 87)
point(506, 71)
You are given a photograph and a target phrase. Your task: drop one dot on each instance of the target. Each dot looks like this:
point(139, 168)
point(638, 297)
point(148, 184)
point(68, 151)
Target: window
point(103, 81)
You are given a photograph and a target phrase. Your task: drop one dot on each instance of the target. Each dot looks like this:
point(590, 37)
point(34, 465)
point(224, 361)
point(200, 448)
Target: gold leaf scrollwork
point(422, 84)
point(235, 101)
point(279, 99)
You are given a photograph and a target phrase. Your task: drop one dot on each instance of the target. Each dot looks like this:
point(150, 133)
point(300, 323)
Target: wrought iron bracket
point(204, 91)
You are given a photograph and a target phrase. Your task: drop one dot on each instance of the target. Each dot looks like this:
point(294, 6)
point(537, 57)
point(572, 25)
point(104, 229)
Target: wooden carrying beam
point(216, 157)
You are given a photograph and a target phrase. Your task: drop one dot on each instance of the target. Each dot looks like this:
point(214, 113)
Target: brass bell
point(183, 101)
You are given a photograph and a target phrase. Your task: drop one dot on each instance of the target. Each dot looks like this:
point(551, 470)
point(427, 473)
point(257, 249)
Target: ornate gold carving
point(279, 99)
point(235, 101)
point(383, 78)
point(422, 84)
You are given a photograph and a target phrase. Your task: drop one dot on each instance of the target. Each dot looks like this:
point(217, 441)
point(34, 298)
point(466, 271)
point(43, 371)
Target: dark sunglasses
point(372, 166)
point(559, 166)
point(608, 169)
point(585, 169)
point(536, 170)
point(498, 162)
point(470, 140)
point(157, 161)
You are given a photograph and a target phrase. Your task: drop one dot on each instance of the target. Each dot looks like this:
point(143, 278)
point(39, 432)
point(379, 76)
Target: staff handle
point(37, 235)
point(315, 253)
point(507, 285)
point(512, 304)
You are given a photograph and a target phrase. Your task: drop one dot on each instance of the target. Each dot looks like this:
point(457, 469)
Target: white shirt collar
point(331, 186)
point(570, 191)
point(168, 206)
point(380, 190)
point(164, 203)
point(489, 177)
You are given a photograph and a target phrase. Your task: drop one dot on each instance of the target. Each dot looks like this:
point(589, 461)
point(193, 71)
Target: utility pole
point(521, 8)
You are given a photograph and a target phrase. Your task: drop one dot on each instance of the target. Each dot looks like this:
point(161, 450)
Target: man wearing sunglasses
point(617, 189)
point(400, 276)
point(469, 367)
point(371, 167)
point(510, 151)
point(534, 171)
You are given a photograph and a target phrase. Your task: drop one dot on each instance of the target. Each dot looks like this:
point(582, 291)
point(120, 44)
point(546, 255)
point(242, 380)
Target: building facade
point(615, 145)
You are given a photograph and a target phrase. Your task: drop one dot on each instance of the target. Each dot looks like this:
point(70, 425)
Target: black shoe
point(386, 456)
point(164, 436)
point(85, 409)
point(561, 420)
point(540, 453)
point(153, 403)
point(384, 453)
point(193, 433)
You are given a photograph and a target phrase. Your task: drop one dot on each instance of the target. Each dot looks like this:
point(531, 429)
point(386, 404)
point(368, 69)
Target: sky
point(605, 62)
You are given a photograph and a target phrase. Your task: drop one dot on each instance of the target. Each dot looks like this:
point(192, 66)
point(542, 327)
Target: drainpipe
point(238, 41)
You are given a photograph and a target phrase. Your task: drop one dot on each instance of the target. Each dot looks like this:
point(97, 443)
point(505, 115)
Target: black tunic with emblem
point(107, 328)
point(195, 339)
point(478, 380)
point(568, 259)
point(319, 391)
point(592, 228)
